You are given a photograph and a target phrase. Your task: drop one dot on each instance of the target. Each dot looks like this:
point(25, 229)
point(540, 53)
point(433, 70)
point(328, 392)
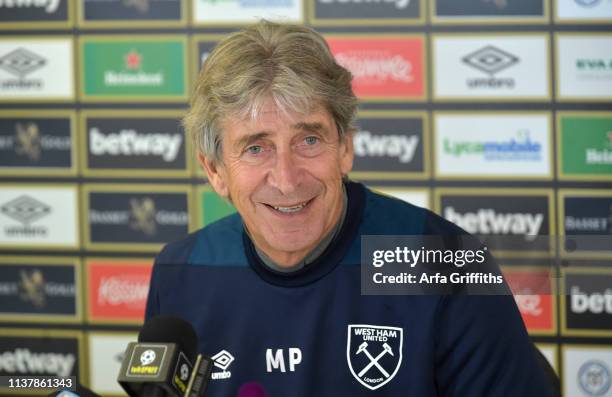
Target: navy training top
point(312, 333)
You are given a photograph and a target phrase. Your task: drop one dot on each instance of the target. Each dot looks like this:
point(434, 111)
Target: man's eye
point(311, 140)
point(255, 149)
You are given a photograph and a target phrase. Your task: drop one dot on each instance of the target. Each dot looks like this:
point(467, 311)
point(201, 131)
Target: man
point(274, 291)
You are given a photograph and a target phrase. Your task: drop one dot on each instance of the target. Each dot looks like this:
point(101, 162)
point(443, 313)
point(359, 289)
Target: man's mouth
point(291, 209)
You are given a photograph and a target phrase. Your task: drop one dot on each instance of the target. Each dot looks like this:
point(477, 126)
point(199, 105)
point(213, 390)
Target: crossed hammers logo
point(374, 360)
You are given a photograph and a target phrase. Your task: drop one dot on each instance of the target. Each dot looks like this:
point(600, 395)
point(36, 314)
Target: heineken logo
point(132, 60)
point(602, 155)
point(133, 75)
point(586, 144)
point(134, 67)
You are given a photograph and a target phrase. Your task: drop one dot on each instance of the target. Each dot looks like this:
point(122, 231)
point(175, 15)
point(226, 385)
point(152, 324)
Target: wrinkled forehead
point(273, 112)
point(286, 107)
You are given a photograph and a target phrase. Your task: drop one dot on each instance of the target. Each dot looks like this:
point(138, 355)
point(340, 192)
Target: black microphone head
point(170, 329)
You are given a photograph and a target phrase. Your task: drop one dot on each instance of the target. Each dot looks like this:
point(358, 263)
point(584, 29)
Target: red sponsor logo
point(118, 290)
point(532, 291)
point(384, 67)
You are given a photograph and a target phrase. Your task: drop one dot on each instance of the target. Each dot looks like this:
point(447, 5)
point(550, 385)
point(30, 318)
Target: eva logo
point(374, 353)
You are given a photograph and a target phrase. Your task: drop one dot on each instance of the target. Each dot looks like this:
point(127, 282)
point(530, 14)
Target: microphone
point(164, 362)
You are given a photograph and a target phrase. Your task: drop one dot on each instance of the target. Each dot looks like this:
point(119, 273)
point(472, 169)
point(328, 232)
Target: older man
point(274, 291)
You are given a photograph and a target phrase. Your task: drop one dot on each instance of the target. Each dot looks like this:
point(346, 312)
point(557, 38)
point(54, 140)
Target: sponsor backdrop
point(497, 114)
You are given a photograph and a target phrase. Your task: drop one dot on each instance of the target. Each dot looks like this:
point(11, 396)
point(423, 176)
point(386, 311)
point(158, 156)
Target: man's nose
point(286, 173)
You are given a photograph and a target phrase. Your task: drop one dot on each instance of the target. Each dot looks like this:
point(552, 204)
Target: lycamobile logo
point(515, 149)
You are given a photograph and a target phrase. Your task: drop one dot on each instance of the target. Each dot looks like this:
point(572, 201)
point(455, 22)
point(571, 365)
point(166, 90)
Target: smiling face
point(283, 172)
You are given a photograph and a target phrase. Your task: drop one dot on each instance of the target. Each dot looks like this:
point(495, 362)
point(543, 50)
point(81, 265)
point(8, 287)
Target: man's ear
point(216, 176)
point(347, 153)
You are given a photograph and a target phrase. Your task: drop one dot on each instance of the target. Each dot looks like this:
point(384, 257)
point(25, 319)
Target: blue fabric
point(466, 346)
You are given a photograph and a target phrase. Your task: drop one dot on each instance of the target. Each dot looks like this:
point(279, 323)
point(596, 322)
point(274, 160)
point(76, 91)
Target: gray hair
point(290, 64)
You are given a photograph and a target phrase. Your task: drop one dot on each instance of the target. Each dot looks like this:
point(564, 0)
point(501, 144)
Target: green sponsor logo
point(134, 68)
point(586, 145)
point(214, 207)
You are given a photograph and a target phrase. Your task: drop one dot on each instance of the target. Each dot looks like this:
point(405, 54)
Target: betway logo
point(596, 302)
point(123, 290)
point(487, 221)
point(25, 362)
point(400, 146)
point(129, 142)
point(399, 4)
point(376, 66)
point(50, 6)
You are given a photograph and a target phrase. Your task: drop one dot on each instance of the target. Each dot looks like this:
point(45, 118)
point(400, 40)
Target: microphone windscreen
point(251, 389)
point(169, 329)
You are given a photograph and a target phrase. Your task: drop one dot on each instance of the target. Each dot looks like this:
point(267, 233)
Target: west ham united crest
point(374, 353)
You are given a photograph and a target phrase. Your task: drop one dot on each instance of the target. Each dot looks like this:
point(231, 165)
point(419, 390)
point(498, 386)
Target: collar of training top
point(329, 259)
